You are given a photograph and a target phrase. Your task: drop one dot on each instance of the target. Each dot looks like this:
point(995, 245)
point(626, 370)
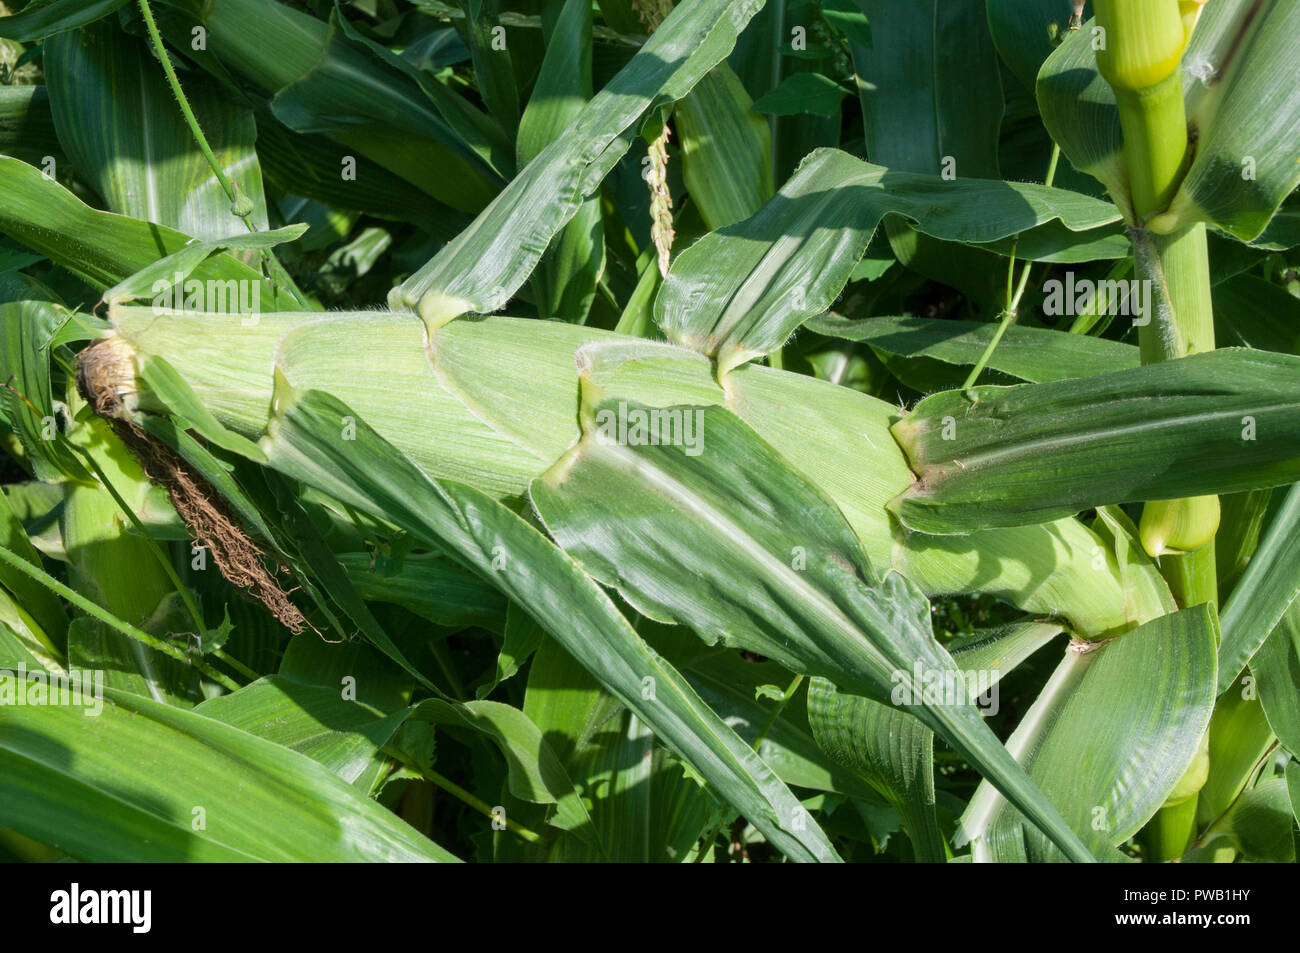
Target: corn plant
point(723, 431)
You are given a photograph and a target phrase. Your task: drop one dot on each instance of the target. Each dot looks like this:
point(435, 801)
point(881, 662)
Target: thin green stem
point(226, 185)
point(776, 712)
point(458, 792)
point(1008, 316)
point(106, 617)
point(240, 205)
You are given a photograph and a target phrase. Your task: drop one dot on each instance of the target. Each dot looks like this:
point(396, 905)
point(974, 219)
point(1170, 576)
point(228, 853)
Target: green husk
point(453, 404)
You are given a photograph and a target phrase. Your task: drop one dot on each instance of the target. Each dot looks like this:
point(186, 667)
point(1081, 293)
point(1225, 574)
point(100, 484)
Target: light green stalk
point(1144, 42)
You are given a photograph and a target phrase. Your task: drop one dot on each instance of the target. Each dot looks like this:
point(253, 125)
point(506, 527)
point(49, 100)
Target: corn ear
point(454, 403)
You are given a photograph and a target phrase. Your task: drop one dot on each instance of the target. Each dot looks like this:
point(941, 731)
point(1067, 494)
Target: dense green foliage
point(729, 431)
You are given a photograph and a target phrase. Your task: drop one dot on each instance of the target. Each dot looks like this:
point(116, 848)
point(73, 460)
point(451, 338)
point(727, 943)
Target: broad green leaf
point(1276, 669)
point(102, 248)
point(1079, 111)
point(344, 736)
point(1245, 105)
point(774, 569)
point(484, 265)
point(1240, 737)
point(312, 167)
point(565, 281)
point(1262, 823)
point(1031, 354)
point(932, 91)
point(435, 589)
point(26, 126)
point(1251, 312)
point(38, 604)
point(129, 784)
point(1265, 591)
point(1109, 737)
point(739, 292)
point(729, 684)
point(1218, 422)
point(888, 747)
point(125, 134)
point(800, 93)
point(536, 774)
point(42, 18)
point(179, 265)
point(369, 474)
point(726, 149)
point(27, 329)
point(521, 638)
point(1026, 32)
point(492, 65)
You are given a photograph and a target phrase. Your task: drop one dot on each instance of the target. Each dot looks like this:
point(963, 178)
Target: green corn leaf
point(1026, 32)
point(932, 90)
point(484, 265)
point(100, 247)
point(42, 18)
point(1276, 668)
point(27, 329)
point(434, 589)
point(891, 749)
point(729, 684)
point(1109, 737)
point(26, 126)
point(731, 566)
point(1265, 591)
point(565, 281)
point(314, 720)
point(1218, 422)
point(1245, 106)
point(179, 265)
point(1031, 354)
point(124, 132)
point(726, 149)
point(91, 786)
point(741, 291)
point(368, 473)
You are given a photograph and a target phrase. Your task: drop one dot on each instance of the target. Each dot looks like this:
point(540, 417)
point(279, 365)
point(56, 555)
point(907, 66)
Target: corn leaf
point(100, 247)
point(730, 565)
point(890, 749)
point(1109, 737)
point(123, 131)
point(922, 104)
point(484, 265)
point(26, 126)
point(1265, 591)
point(726, 149)
point(92, 787)
point(42, 18)
point(1218, 422)
point(1036, 355)
point(1025, 33)
point(1276, 669)
point(741, 291)
point(368, 473)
